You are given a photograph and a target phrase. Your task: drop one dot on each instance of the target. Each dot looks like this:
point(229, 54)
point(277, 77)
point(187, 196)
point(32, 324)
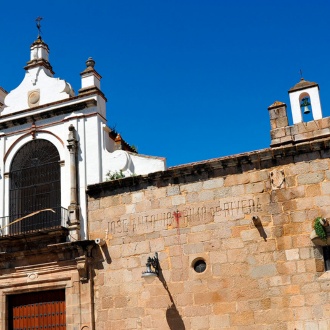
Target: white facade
point(44, 107)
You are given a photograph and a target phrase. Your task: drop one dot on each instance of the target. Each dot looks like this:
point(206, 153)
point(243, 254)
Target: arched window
point(34, 186)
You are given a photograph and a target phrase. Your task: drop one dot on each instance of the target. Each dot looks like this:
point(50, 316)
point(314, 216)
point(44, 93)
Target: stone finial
point(118, 142)
point(90, 63)
point(118, 138)
point(90, 79)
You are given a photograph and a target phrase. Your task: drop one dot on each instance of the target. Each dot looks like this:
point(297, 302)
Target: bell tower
point(303, 95)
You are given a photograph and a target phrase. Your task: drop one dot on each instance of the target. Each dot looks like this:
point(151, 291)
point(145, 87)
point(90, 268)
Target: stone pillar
point(280, 129)
point(74, 223)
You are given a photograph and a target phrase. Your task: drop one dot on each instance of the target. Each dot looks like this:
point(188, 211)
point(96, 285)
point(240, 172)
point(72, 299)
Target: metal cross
point(300, 73)
point(38, 19)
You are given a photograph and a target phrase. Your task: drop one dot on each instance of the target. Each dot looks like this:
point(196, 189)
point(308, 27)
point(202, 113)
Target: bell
point(304, 104)
point(306, 110)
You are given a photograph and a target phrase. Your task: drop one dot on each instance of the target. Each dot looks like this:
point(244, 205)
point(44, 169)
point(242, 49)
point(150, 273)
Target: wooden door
point(37, 310)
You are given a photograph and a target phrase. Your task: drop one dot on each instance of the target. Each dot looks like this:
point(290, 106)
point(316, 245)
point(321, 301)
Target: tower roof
point(302, 84)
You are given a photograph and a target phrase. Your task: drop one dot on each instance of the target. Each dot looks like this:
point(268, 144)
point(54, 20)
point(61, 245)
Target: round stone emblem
point(34, 98)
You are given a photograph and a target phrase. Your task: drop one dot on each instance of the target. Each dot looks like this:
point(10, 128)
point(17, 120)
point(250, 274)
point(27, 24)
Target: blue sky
point(188, 80)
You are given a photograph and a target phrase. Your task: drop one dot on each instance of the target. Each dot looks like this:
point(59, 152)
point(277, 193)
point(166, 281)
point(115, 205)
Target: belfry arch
point(35, 185)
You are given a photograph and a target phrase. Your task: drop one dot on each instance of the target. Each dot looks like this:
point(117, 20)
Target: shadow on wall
point(173, 317)
point(257, 222)
point(101, 255)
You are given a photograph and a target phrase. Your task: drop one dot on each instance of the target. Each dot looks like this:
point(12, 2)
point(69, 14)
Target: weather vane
point(38, 19)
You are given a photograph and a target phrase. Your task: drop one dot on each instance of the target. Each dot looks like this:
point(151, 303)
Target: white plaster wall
point(93, 155)
point(90, 80)
point(36, 79)
point(147, 164)
point(130, 163)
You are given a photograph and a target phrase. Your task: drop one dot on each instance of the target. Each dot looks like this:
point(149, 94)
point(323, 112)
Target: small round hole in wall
point(199, 266)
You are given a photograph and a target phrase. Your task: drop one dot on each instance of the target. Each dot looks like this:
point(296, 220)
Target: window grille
point(35, 184)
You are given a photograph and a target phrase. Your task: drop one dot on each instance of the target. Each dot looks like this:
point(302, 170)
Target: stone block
point(253, 188)
point(242, 318)
point(298, 216)
point(322, 201)
point(238, 190)
point(237, 255)
point(200, 323)
point(297, 168)
point(184, 299)
point(278, 132)
point(178, 200)
point(93, 205)
point(286, 268)
point(304, 203)
point(165, 203)
point(192, 197)
point(224, 192)
point(173, 190)
point(224, 308)
point(192, 187)
point(199, 237)
point(207, 195)
point(175, 240)
point(280, 219)
point(275, 141)
point(192, 311)
point(273, 124)
point(193, 248)
point(96, 215)
point(250, 235)
point(135, 248)
point(137, 197)
point(282, 121)
point(261, 271)
point(219, 322)
point(275, 113)
point(280, 280)
point(218, 257)
point(292, 254)
point(207, 298)
point(213, 184)
point(234, 180)
point(120, 301)
point(310, 178)
point(325, 188)
point(305, 253)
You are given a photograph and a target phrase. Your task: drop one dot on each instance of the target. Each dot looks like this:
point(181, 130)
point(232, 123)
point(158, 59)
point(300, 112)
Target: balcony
point(43, 222)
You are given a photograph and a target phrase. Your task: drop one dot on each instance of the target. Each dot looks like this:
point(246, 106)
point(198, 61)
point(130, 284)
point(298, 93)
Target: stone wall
point(249, 217)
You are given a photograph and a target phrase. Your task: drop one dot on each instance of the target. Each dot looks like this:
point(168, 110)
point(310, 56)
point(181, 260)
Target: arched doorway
point(35, 185)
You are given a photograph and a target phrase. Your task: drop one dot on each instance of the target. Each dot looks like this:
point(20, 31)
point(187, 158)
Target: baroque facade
point(53, 144)
point(227, 243)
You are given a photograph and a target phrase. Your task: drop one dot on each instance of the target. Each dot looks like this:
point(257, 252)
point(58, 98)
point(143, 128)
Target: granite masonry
point(247, 217)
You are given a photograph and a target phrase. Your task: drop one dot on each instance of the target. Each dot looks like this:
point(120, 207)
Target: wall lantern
point(152, 267)
point(304, 105)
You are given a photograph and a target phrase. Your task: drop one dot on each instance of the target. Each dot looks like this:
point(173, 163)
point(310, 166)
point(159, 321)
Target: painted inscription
point(187, 215)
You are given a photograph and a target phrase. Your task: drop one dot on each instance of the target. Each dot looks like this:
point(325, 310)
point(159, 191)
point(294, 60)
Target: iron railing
point(41, 221)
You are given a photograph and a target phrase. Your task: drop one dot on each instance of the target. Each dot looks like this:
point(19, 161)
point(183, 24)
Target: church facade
point(53, 144)
point(96, 236)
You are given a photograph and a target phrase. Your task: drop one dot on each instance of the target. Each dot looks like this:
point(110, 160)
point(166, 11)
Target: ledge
point(217, 167)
